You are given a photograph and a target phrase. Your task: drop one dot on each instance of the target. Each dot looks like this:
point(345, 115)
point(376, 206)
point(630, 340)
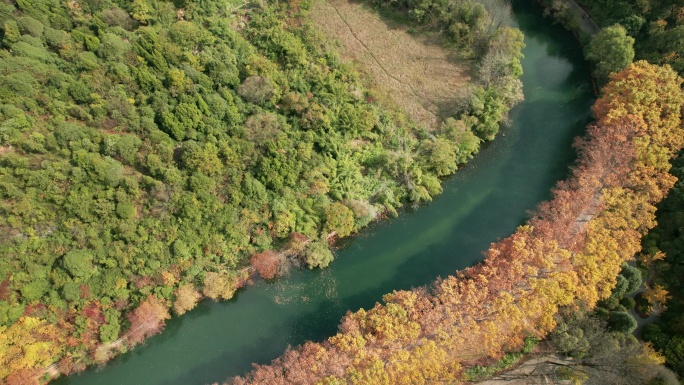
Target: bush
point(628, 303)
point(622, 322)
point(117, 17)
point(633, 276)
point(339, 219)
point(262, 128)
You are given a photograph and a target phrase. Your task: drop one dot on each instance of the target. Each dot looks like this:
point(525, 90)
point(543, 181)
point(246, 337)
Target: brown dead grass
point(426, 80)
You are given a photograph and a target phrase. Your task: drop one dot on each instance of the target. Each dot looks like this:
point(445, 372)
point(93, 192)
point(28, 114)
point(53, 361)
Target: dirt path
point(587, 24)
point(424, 79)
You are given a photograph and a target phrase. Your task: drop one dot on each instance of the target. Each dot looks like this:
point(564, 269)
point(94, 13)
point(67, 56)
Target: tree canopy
point(611, 50)
point(149, 149)
point(556, 261)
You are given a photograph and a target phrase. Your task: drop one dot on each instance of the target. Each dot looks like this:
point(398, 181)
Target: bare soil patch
point(532, 370)
point(426, 80)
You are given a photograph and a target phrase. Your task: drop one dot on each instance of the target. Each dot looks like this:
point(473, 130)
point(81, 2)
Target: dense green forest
point(150, 149)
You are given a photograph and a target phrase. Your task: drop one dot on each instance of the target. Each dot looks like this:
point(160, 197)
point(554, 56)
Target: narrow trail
point(587, 24)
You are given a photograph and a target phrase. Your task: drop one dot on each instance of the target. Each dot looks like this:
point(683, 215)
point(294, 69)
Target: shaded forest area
point(663, 260)
point(651, 30)
point(153, 153)
point(654, 31)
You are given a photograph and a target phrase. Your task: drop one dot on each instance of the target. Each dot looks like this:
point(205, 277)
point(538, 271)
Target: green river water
point(483, 202)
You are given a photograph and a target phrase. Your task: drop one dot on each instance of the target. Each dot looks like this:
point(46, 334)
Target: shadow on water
point(486, 200)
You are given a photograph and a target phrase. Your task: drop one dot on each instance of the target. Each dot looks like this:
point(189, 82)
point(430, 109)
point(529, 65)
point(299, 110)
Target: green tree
point(340, 219)
point(110, 330)
point(141, 11)
point(611, 50)
point(654, 334)
point(78, 263)
point(622, 322)
point(674, 352)
point(11, 32)
point(633, 24)
point(35, 289)
point(318, 254)
point(633, 277)
point(442, 157)
point(487, 105)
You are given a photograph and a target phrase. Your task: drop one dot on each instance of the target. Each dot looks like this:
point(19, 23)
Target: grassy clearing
point(426, 80)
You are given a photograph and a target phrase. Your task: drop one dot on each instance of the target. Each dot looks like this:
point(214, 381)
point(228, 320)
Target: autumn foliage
point(28, 344)
point(569, 253)
point(267, 264)
point(186, 299)
point(148, 319)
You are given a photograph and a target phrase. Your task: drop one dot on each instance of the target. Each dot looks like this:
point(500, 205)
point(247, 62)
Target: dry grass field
point(426, 80)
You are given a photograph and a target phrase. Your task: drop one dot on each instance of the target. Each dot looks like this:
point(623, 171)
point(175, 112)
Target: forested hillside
point(149, 150)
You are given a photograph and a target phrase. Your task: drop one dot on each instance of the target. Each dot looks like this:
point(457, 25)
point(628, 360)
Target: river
point(484, 201)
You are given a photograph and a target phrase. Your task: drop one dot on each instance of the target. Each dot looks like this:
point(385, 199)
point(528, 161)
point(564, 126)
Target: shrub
point(628, 303)
point(622, 322)
point(257, 90)
point(318, 254)
point(340, 219)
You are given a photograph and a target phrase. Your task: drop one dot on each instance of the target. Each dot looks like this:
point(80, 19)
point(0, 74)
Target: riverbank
point(208, 167)
point(525, 279)
point(586, 23)
point(482, 202)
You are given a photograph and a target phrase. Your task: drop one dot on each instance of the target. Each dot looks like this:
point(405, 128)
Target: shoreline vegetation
point(567, 257)
point(157, 154)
